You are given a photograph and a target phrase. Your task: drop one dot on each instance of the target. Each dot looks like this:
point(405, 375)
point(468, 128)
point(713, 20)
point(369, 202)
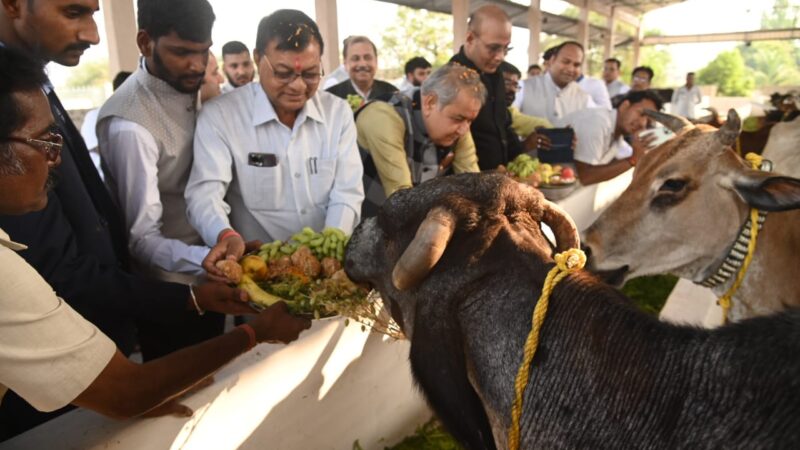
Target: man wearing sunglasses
point(78, 242)
point(485, 47)
point(275, 156)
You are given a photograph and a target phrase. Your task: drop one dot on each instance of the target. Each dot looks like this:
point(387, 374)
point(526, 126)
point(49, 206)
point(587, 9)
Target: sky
point(238, 20)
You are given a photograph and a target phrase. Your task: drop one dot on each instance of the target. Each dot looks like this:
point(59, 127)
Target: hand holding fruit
point(276, 324)
point(221, 298)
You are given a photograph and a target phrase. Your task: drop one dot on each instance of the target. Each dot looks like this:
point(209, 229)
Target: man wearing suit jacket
point(361, 61)
point(78, 242)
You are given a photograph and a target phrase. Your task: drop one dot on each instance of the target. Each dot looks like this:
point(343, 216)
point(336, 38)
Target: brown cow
point(684, 210)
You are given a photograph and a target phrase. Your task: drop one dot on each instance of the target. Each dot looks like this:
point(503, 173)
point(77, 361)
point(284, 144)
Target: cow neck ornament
point(567, 262)
point(737, 258)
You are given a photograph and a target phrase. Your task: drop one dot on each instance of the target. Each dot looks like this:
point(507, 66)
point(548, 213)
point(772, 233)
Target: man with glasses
point(275, 156)
point(51, 356)
point(485, 47)
point(78, 242)
point(641, 77)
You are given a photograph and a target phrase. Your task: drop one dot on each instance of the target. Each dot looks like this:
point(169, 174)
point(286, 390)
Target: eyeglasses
point(51, 145)
point(288, 76)
point(495, 49)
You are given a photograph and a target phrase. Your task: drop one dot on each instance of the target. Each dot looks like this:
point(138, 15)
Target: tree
point(772, 63)
point(775, 63)
point(89, 74)
point(417, 32)
point(728, 72)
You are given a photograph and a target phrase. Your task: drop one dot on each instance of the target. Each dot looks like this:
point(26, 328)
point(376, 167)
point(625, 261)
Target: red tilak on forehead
point(297, 64)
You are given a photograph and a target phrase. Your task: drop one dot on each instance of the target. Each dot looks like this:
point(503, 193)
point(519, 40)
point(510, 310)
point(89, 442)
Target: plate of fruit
point(306, 273)
point(527, 169)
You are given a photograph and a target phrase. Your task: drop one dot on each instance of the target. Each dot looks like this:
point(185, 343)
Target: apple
point(567, 173)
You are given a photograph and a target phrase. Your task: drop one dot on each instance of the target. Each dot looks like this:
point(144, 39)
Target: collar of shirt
point(552, 84)
point(5, 241)
point(364, 95)
point(264, 112)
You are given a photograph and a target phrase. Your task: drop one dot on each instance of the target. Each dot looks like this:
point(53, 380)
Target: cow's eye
point(673, 185)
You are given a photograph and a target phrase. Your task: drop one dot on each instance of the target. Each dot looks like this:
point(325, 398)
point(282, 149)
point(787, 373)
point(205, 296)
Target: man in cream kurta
point(36, 324)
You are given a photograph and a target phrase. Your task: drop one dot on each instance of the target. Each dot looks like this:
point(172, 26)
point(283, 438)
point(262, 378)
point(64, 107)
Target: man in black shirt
point(488, 36)
point(78, 243)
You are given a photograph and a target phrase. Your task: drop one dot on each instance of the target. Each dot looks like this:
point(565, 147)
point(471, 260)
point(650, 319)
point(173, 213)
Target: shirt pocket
point(262, 189)
point(321, 180)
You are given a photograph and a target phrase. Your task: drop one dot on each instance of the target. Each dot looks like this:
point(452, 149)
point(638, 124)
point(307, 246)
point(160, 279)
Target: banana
point(258, 295)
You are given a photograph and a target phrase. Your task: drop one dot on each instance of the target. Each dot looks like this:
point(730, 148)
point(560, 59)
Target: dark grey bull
point(462, 260)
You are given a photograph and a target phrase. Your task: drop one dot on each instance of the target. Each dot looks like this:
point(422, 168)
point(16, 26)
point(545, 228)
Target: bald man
point(488, 37)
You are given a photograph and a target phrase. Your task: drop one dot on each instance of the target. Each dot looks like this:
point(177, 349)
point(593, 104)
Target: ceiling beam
point(622, 13)
point(760, 35)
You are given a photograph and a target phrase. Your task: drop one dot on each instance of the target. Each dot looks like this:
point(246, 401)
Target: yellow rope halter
point(566, 263)
point(725, 301)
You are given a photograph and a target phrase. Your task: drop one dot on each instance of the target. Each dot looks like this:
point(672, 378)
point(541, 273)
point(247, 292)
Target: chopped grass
point(651, 292)
point(430, 436)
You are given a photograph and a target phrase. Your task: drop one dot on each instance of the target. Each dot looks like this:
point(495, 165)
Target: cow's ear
point(768, 193)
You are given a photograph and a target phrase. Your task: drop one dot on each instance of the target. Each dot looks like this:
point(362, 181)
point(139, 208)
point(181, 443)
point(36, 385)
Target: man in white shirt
point(596, 89)
point(686, 97)
point(278, 155)
point(556, 94)
point(600, 136)
point(237, 65)
point(611, 71)
point(51, 356)
point(89, 125)
point(146, 131)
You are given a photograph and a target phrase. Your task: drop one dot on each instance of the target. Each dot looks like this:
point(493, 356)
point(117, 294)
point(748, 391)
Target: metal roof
point(553, 23)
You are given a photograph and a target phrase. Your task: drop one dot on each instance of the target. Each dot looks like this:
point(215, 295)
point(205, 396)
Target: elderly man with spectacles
point(485, 47)
point(273, 157)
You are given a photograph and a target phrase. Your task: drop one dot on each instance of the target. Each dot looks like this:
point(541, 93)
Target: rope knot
point(754, 160)
point(570, 260)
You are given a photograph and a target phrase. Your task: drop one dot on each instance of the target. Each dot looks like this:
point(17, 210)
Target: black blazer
point(78, 244)
point(345, 88)
point(495, 141)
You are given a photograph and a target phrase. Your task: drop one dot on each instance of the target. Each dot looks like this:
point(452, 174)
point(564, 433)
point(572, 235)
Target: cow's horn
point(563, 227)
point(730, 131)
point(676, 124)
point(425, 250)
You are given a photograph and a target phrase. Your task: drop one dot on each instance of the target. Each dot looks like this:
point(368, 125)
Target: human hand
point(537, 141)
point(232, 247)
point(221, 298)
point(641, 144)
point(276, 324)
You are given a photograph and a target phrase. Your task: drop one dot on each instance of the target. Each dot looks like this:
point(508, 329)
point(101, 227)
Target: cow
point(685, 213)
point(461, 261)
point(783, 147)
